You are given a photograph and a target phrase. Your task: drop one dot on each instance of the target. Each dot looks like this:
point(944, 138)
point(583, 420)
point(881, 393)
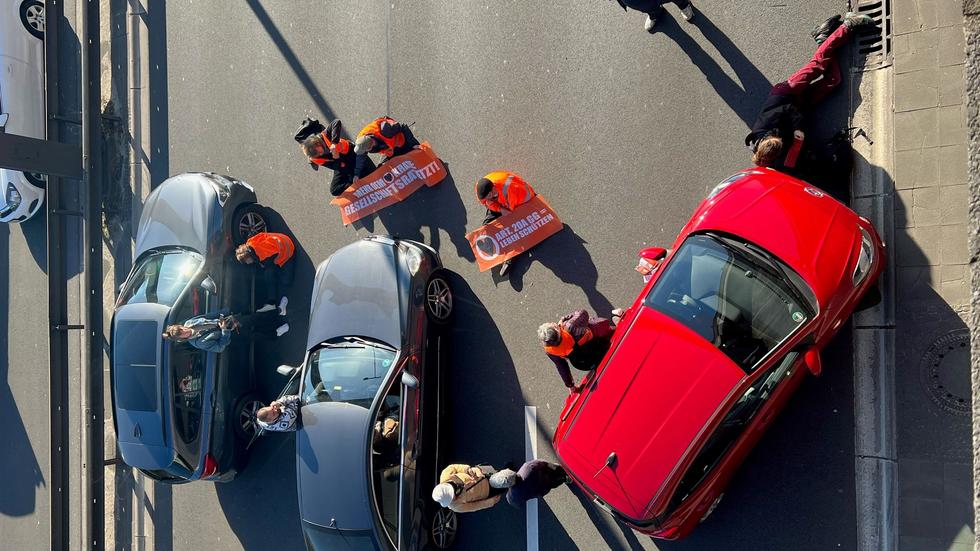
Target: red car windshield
point(733, 294)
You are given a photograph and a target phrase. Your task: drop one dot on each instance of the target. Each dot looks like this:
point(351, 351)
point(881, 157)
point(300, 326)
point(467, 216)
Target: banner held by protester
point(392, 182)
point(513, 233)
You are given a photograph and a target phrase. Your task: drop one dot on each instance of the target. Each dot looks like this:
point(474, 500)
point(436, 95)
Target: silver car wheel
point(444, 528)
point(246, 418)
point(250, 224)
point(439, 298)
point(32, 14)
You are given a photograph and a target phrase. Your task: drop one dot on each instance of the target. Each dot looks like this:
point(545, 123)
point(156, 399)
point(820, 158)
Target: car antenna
point(610, 463)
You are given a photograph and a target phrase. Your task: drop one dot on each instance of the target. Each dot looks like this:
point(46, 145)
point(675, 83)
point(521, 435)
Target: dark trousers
point(811, 84)
point(260, 323)
point(276, 281)
point(653, 6)
point(491, 216)
point(343, 179)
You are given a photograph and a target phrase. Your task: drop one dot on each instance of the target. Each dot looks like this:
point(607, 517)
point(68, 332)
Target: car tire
point(249, 220)
point(443, 528)
point(438, 299)
point(37, 180)
point(32, 16)
point(244, 419)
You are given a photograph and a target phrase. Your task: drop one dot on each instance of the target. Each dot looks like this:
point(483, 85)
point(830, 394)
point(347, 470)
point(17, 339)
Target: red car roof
point(805, 227)
point(655, 393)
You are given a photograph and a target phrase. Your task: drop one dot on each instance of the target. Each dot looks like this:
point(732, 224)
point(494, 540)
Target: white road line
point(531, 452)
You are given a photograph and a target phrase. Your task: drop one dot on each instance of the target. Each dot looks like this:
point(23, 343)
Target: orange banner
point(392, 182)
point(513, 233)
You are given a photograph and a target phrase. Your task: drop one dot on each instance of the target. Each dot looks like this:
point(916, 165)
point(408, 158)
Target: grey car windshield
point(160, 277)
point(349, 369)
point(733, 294)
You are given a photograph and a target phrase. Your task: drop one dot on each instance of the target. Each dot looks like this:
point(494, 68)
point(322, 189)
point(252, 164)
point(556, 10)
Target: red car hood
point(653, 396)
point(805, 227)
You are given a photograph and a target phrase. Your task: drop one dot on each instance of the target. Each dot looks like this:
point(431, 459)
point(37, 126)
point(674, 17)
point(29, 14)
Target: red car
point(759, 280)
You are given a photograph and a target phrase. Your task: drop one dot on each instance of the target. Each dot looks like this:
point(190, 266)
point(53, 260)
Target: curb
point(874, 329)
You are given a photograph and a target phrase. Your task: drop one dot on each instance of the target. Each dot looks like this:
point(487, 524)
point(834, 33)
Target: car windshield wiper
point(371, 343)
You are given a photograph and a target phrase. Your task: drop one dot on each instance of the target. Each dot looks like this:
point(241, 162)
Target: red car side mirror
point(812, 361)
point(655, 254)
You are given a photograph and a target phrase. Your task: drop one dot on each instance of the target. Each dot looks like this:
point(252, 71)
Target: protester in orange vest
point(271, 253)
point(383, 135)
point(502, 191)
point(577, 339)
point(326, 147)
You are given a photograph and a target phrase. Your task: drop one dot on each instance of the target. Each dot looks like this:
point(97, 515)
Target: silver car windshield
point(160, 277)
point(349, 370)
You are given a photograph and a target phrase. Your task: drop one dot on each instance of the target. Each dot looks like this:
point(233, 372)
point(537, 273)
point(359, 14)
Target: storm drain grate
point(874, 45)
point(945, 372)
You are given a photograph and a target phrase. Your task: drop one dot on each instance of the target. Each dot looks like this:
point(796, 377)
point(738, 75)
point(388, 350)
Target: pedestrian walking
point(653, 8)
point(777, 135)
point(212, 332)
point(464, 489)
point(280, 415)
point(501, 191)
point(576, 339)
point(383, 135)
point(534, 480)
point(271, 254)
point(326, 147)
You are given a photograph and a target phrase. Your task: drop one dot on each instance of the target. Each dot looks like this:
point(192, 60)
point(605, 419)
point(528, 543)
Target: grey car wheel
point(250, 221)
point(438, 299)
point(32, 16)
point(444, 526)
point(245, 425)
point(36, 179)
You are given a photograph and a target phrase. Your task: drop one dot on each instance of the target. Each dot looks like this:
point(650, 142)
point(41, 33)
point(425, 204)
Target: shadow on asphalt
point(566, 256)
point(22, 473)
point(743, 96)
point(439, 208)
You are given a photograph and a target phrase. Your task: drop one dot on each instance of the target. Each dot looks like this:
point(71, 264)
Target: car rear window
point(135, 365)
point(734, 294)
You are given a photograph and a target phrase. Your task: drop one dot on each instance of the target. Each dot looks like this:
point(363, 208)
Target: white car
point(22, 108)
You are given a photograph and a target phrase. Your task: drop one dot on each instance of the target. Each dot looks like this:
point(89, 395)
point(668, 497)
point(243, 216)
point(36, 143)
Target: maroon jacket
point(587, 356)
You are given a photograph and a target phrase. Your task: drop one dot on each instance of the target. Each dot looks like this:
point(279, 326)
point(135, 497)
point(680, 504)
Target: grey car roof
point(176, 213)
point(331, 465)
point(356, 293)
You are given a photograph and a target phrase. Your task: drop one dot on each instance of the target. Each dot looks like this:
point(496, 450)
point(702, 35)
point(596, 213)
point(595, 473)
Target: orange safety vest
point(266, 244)
point(566, 343)
point(374, 130)
point(343, 146)
point(512, 191)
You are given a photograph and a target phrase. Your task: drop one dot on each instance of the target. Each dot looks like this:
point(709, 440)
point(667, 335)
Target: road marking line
point(531, 452)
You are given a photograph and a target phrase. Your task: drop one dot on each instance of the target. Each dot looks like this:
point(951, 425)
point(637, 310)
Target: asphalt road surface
point(622, 131)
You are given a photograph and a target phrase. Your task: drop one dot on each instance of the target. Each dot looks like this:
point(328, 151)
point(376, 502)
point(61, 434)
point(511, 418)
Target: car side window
point(386, 459)
point(738, 418)
point(187, 368)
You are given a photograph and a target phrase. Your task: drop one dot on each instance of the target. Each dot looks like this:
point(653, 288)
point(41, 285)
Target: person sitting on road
point(780, 121)
point(577, 339)
point(271, 253)
point(535, 479)
point(212, 332)
point(280, 415)
point(326, 147)
point(463, 488)
point(501, 191)
point(383, 135)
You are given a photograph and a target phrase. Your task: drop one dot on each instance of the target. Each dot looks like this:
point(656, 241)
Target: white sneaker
point(505, 267)
point(282, 305)
point(282, 329)
point(688, 13)
point(651, 22)
point(266, 308)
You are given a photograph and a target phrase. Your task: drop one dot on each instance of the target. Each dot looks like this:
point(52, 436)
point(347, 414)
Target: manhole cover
point(945, 372)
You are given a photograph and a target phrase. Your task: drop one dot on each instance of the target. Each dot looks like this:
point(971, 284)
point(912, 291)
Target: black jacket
point(779, 116)
point(393, 130)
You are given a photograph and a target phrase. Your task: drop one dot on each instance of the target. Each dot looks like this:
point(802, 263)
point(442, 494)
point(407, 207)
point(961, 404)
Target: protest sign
point(513, 233)
point(392, 182)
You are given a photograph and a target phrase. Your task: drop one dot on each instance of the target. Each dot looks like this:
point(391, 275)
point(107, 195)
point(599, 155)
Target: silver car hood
point(356, 293)
point(176, 214)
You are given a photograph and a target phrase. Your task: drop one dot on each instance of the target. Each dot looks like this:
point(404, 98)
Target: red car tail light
point(210, 467)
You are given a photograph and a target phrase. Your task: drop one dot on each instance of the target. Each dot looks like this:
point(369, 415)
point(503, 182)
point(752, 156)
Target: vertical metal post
point(57, 298)
point(93, 471)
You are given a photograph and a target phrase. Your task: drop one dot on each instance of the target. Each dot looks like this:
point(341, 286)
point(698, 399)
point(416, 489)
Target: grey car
point(368, 444)
point(180, 414)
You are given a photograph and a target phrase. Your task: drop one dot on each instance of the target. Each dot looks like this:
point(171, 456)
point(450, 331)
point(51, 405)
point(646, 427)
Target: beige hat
point(363, 145)
point(444, 494)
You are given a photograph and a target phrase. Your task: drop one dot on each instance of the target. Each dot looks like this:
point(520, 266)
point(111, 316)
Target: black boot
point(823, 31)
